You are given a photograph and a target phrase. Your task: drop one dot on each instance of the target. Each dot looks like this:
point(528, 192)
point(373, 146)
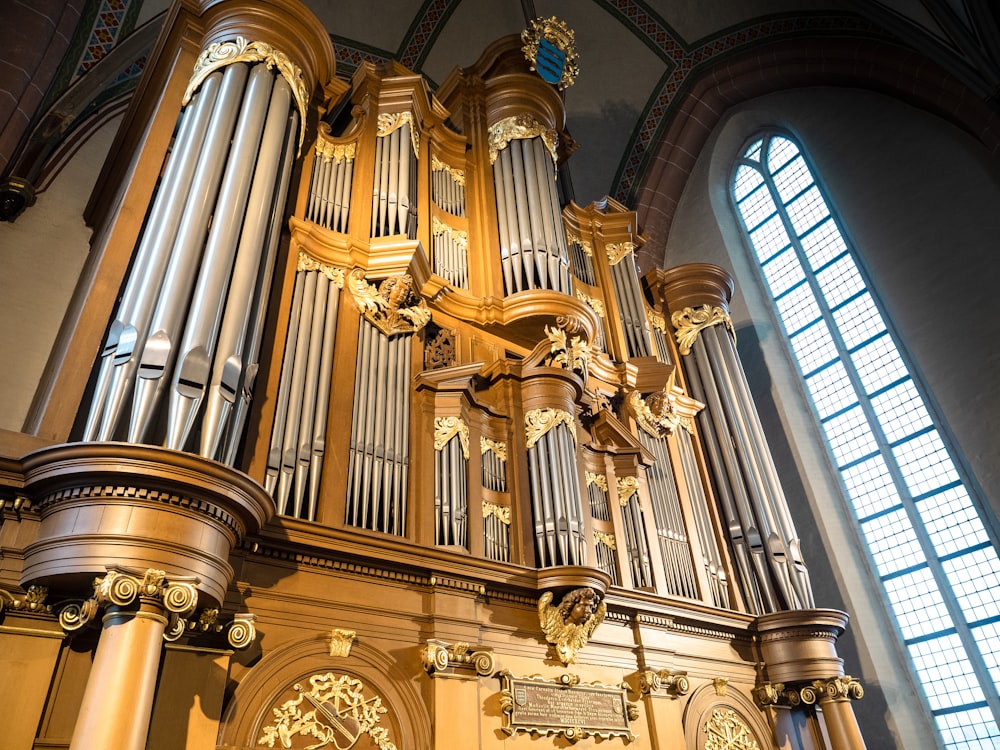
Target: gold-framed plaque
point(565, 707)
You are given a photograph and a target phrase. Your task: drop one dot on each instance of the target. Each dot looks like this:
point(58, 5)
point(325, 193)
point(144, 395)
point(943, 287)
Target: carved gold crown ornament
point(242, 50)
point(521, 127)
point(332, 710)
point(550, 47)
point(445, 428)
point(569, 625)
point(393, 307)
point(691, 321)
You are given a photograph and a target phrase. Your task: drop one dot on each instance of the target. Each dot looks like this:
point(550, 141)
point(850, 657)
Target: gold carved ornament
point(835, 688)
point(498, 447)
point(336, 714)
point(573, 237)
point(663, 411)
point(445, 428)
point(727, 731)
point(389, 121)
point(569, 625)
point(460, 237)
point(32, 601)
point(667, 680)
point(308, 263)
point(341, 641)
point(520, 127)
point(393, 307)
point(691, 321)
point(240, 50)
point(440, 656)
point(657, 321)
point(627, 487)
point(537, 422)
point(608, 540)
point(332, 151)
point(618, 251)
point(500, 512)
point(571, 354)
point(457, 175)
point(560, 36)
point(599, 479)
point(595, 304)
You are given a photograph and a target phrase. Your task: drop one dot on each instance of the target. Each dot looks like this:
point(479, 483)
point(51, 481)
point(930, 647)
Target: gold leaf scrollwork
point(498, 447)
point(439, 656)
point(618, 251)
point(608, 540)
point(569, 625)
point(569, 353)
point(32, 601)
point(691, 321)
point(595, 304)
point(457, 175)
point(663, 411)
point(333, 151)
point(627, 487)
point(336, 713)
point(561, 37)
point(308, 263)
point(394, 307)
point(585, 245)
point(445, 428)
point(500, 512)
point(389, 121)
point(341, 641)
point(537, 422)
point(241, 50)
point(727, 731)
point(669, 681)
point(520, 127)
point(460, 237)
point(599, 479)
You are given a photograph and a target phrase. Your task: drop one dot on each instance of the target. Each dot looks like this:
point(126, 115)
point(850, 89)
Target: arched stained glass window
point(930, 549)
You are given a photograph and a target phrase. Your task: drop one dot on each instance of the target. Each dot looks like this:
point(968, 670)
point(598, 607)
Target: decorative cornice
point(537, 422)
point(499, 447)
point(560, 36)
point(691, 321)
point(441, 657)
point(445, 428)
point(394, 307)
point(390, 121)
point(835, 688)
point(667, 680)
point(308, 263)
point(460, 237)
point(618, 251)
point(520, 127)
point(599, 479)
point(500, 512)
point(240, 50)
point(627, 487)
point(457, 175)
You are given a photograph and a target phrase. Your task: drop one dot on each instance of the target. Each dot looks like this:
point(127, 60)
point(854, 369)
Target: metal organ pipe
point(394, 204)
point(330, 188)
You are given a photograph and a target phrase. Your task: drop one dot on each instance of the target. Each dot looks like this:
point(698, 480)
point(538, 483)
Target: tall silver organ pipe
point(451, 492)
point(496, 531)
point(668, 519)
point(394, 194)
point(554, 487)
point(533, 251)
point(450, 254)
point(187, 320)
point(582, 257)
point(330, 187)
point(298, 436)
point(597, 494)
point(605, 546)
point(631, 302)
point(494, 463)
point(447, 187)
point(766, 547)
point(636, 544)
point(379, 447)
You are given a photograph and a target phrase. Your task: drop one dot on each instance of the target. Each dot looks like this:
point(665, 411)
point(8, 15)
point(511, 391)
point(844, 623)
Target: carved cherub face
point(579, 605)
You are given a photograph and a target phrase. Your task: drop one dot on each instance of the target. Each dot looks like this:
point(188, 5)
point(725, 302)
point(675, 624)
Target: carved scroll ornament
point(691, 321)
point(389, 121)
point(537, 422)
point(520, 127)
point(445, 428)
point(308, 263)
point(498, 447)
point(727, 731)
point(569, 353)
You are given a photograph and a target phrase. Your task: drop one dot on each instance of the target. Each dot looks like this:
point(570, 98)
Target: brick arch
point(777, 66)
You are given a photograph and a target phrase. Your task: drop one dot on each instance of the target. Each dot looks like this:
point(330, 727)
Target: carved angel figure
point(569, 626)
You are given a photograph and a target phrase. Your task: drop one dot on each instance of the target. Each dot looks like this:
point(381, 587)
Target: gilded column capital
point(33, 600)
point(441, 657)
point(808, 693)
point(668, 681)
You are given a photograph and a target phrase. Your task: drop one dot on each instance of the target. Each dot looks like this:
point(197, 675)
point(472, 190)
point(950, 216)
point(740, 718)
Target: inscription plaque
point(564, 706)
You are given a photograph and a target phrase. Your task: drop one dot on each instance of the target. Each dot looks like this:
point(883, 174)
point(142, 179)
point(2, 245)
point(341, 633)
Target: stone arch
point(269, 683)
point(705, 701)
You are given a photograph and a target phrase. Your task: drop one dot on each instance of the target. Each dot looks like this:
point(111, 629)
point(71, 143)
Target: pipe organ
point(468, 415)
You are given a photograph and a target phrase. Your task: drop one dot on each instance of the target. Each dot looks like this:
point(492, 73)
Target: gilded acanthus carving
point(691, 321)
point(389, 121)
point(520, 127)
point(559, 36)
point(440, 656)
point(569, 625)
point(627, 487)
point(333, 710)
point(328, 150)
point(667, 680)
point(608, 540)
point(498, 447)
point(618, 251)
point(341, 641)
point(569, 353)
point(835, 688)
point(393, 307)
point(595, 304)
point(573, 237)
point(599, 479)
point(32, 601)
point(241, 50)
point(663, 411)
point(308, 263)
point(445, 428)
point(457, 175)
point(537, 422)
point(726, 730)
point(458, 236)
point(501, 512)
